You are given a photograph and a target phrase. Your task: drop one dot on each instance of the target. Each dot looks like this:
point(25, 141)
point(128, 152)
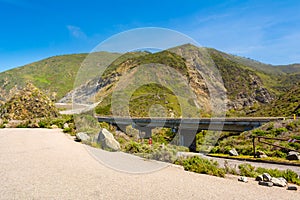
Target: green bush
point(258, 132)
point(247, 170)
point(43, 124)
point(161, 152)
point(278, 131)
point(164, 135)
point(201, 165)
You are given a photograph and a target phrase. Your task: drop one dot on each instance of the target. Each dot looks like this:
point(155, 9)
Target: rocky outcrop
point(28, 103)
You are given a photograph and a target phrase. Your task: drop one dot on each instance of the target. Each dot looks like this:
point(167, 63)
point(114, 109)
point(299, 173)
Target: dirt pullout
point(46, 164)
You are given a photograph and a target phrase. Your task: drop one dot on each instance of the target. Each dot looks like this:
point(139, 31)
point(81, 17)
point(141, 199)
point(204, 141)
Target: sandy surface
point(46, 164)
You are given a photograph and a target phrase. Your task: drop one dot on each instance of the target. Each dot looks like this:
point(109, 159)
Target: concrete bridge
point(189, 127)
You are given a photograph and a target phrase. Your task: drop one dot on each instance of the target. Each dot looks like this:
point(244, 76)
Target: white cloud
point(76, 32)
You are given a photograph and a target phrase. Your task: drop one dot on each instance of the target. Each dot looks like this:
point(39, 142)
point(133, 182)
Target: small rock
point(260, 154)
point(233, 152)
point(264, 183)
point(54, 126)
point(293, 156)
point(292, 187)
point(267, 177)
point(243, 179)
point(66, 125)
point(278, 182)
point(259, 178)
point(82, 136)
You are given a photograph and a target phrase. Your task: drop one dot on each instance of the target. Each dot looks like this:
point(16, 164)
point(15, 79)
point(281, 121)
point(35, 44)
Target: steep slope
point(286, 105)
point(144, 99)
point(244, 85)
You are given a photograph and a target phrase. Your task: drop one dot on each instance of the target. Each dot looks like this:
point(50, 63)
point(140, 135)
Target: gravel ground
point(46, 164)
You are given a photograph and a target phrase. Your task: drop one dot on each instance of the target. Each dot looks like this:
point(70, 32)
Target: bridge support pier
point(187, 138)
point(145, 132)
point(121, 128)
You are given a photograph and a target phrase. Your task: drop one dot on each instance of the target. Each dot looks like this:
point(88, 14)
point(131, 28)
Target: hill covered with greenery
point(55, 75)
point(252, 88)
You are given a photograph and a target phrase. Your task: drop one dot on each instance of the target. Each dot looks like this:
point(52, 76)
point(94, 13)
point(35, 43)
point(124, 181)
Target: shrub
point(201, 165)
point(43, 124)
point(250, 171)
point(247, 170)
point(278, 131)
point(258, 132)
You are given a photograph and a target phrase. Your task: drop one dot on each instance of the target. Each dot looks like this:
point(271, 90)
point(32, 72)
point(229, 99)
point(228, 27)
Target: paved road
point(46, 164)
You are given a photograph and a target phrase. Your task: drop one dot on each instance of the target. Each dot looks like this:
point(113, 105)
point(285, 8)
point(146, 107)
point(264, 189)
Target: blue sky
point(265, 30)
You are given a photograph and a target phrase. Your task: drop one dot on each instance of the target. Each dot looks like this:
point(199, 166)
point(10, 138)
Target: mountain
point(55, 75)
point(185, 78)
point(245, 86)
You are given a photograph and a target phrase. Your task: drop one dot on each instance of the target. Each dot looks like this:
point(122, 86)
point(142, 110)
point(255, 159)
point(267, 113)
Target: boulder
point(293, 156)
point(283, 179)
point(243, 179)
point(292, 187)
point(107, 140)
point(278, 182)
point(233, 152)
point(264, 183)
point(259, 178)
point(266, 177)
point(82, 136)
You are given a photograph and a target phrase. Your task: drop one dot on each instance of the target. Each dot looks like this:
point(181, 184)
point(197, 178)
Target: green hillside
point(286, 105)
point(148, 95)
point(55, 75)
point(253, 88)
